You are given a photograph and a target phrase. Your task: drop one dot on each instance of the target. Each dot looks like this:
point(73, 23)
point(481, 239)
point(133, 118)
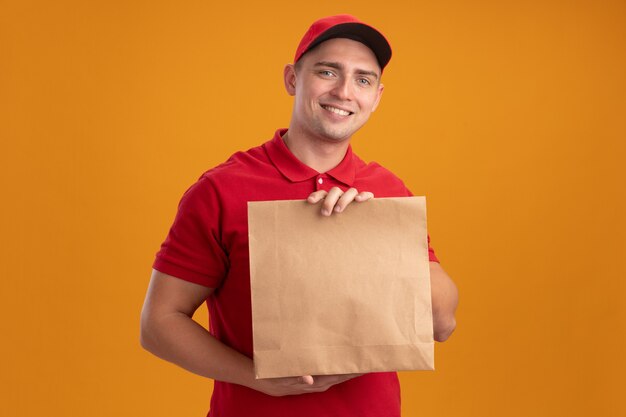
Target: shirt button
point(320, 181)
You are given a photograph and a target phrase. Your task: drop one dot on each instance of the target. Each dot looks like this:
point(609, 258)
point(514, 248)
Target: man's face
point(336, 87)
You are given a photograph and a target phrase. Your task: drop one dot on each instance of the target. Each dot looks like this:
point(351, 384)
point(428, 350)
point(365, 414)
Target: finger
point(331, 199)
point(364, 196)
point(317, 196)
point(330, 380)
point(306, 379)
point(324, 382)
point(345, 199)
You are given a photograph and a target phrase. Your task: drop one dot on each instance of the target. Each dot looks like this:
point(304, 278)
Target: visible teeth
point(337, 111)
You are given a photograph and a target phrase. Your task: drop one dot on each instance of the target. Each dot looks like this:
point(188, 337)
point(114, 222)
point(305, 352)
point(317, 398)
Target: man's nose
point(342, 89)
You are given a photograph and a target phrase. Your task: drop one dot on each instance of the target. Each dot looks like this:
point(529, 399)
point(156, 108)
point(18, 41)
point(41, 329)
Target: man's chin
point(337, 136)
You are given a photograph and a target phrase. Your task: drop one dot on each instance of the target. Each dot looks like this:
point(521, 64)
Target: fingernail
point(338, 209)
point(325, 212)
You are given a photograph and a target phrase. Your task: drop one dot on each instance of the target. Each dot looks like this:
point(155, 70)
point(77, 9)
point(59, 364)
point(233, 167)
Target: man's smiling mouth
point(335, 110)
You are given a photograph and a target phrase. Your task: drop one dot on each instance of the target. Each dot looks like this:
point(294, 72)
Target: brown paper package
point(349, 293)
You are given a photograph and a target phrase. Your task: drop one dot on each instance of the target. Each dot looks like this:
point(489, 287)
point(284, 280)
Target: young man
point(336, 84)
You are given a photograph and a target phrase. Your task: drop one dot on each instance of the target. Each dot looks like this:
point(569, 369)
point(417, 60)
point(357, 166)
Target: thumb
point(307, 379)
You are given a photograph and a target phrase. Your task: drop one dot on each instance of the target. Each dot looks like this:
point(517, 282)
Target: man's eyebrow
point(365, 72)
point(330, 64)
point(340, 66)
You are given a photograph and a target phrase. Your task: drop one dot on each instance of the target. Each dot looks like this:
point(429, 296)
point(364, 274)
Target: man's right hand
point(279, 387)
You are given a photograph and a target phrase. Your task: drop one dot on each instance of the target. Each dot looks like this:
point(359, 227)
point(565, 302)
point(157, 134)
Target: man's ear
point(289, 77)
point(381, 87)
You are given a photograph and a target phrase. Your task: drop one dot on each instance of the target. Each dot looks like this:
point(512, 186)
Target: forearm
point(177, 338)
point(445, 299)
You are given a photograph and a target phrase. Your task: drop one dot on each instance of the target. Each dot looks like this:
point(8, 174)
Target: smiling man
point(336, 84)
point(336, 87)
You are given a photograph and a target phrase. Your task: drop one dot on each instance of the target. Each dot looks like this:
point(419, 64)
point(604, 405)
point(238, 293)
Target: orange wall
point(509, 116)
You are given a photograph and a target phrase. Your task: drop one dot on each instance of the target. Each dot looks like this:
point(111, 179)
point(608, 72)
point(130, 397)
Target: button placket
point(320, 181)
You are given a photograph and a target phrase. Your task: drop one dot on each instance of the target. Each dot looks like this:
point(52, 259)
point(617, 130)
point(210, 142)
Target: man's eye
point(326, 73)
point(364, 81)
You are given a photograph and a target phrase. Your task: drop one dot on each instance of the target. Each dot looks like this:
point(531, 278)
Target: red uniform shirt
point(208, 245)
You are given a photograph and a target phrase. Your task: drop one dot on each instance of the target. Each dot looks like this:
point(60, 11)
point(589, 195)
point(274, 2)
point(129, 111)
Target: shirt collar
point(296, 171)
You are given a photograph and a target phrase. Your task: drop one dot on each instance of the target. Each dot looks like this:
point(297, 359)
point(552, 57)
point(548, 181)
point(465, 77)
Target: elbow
point(444, 329)
point(144, 340)
point(146, 334)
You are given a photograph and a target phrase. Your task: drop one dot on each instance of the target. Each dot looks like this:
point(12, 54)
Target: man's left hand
point(335, 200)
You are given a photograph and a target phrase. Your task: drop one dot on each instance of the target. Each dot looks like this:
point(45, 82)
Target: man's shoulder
point(241, 163)
point(373, 168)
point(225, 176)
point(375, 176)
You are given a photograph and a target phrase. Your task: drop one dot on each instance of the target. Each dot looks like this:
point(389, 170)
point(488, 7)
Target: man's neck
point(318, 154)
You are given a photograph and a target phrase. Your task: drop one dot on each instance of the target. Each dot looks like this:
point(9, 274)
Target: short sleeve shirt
point(208, 245)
